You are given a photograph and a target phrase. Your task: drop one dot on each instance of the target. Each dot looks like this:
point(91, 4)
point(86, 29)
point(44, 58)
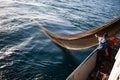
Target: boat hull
point(84, 69)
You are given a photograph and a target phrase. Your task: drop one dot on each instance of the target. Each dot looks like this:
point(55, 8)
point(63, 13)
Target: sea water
point(26, 53)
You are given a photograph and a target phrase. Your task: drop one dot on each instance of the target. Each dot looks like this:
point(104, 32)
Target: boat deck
point(103, 67)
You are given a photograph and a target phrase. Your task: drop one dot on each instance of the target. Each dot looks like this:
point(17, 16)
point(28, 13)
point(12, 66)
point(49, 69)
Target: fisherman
point(102, 54)
point(103, 43)
point(112, 43)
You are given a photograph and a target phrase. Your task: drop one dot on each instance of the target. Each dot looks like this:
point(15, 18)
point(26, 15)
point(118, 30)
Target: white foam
point(8, 50)
point(6, 64)
point(28, 2)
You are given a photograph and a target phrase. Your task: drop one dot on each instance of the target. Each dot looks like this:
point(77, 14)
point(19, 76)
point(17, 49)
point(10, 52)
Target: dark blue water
point(26, 53)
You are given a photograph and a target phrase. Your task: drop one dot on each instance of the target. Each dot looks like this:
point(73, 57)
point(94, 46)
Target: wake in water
point(9, 50)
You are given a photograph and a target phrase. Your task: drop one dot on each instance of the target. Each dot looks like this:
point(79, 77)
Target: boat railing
point(115, 73)
point(83, 70)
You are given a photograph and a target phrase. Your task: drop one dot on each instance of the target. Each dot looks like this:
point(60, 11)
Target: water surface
point(26, 53)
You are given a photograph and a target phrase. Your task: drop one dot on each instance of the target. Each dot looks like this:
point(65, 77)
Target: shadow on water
point(69, 58)
point(76, 57)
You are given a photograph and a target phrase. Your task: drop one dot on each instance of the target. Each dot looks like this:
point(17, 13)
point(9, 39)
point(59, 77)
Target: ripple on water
point(27, 53)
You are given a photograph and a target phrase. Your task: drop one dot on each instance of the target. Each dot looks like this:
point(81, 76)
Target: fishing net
point(85, 39)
